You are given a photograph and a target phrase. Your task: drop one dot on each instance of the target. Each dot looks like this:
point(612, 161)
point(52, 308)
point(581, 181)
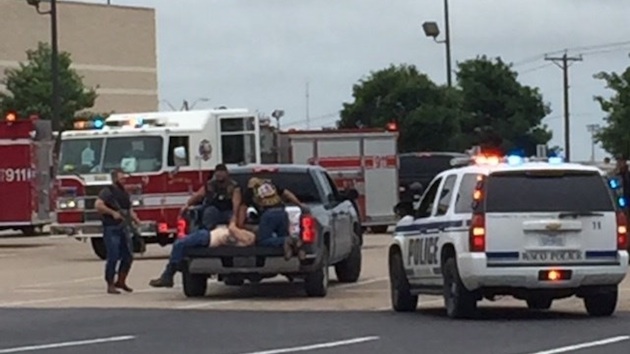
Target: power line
point(535, 58)
point(564, 65)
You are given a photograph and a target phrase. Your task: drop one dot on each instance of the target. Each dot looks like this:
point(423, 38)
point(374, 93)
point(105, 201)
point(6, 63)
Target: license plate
point(552, 256)
point(551, 240)
point(244, 262)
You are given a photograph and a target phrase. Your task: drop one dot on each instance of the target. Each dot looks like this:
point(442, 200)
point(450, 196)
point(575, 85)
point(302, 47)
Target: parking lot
point(47, 282)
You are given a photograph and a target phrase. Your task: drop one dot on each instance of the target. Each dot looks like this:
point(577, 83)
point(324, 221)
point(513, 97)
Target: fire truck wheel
point(98, 245)
point(379, 229)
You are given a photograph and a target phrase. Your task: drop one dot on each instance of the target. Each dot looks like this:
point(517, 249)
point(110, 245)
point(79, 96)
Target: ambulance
point(26, 145)
point(168, 156)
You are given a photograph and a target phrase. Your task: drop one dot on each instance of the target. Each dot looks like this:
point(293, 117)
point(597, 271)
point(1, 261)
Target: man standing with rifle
point(114, 205)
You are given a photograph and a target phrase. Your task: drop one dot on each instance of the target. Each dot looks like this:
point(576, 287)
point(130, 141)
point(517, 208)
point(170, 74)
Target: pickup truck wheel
point(601, 304)
point(349, 270)
point(98, 246)
point(316, 283)
point(195, 285)
point(460, 303)
point(402, 300)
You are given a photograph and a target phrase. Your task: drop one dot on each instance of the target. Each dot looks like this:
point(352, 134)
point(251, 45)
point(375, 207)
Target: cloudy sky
point(260, 54)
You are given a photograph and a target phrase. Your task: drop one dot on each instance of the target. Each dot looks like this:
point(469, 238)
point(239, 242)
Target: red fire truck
point(168, 156)
point(363, 159)
point(26, 145)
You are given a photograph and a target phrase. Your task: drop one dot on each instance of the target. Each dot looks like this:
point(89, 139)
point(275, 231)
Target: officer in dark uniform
point(221, 196)
point(117, 244)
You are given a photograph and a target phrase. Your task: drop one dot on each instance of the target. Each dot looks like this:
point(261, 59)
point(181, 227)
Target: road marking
point(71, 281)
point(204, 304)
point(575, 347)
point(363, 282)
point(67, 298)
point(318, 346)
point(66, 344)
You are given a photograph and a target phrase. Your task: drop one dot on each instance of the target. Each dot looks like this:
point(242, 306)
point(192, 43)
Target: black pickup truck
point(331, 232)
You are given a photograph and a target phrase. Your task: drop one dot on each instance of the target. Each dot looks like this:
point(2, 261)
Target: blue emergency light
point(622, 202)
point(554, 160)
point(514, 160)
point(613, 183)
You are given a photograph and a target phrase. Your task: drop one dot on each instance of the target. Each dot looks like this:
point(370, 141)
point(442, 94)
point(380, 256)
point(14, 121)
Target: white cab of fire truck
point(26, 146)
point(168, 155)
point(535, 230)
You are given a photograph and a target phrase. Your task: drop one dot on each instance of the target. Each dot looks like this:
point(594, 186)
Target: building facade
point(112, 47)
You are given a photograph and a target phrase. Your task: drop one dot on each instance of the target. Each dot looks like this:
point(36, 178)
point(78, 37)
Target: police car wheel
point(539, 303)
point(401, 297)
point(459, 302)
point(602, 304)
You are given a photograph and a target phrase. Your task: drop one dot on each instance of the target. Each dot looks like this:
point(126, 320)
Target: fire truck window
point(238, 148)
point(133, 154)
point(81, 156)
point(241, 124)
point(176, 141)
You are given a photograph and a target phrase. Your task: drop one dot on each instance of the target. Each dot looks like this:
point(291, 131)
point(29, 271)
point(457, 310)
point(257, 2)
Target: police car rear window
point(546, 191)
point(299, 183)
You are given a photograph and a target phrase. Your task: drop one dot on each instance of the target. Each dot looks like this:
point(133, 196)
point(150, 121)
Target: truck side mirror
point(179, 156)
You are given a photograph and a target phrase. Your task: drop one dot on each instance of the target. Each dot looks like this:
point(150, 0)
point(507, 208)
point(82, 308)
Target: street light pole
point(447, 42)
point(54, 61)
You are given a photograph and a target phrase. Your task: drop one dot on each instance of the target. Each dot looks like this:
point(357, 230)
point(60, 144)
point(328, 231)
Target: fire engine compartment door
point(16, 190)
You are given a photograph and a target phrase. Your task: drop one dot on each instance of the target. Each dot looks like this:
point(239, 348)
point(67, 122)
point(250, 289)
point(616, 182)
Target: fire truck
point(362, 159)
point(26, 145)
point(167, 155)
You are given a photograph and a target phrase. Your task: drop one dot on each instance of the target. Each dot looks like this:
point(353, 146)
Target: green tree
point(29, 87)
point(427, 114)
point(502, 113)
point(615, 136)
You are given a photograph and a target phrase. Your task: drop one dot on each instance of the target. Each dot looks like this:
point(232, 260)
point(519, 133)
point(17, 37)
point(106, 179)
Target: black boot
point(166, 279)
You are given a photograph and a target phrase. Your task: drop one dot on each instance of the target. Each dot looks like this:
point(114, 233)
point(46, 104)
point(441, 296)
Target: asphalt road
point(52, 300)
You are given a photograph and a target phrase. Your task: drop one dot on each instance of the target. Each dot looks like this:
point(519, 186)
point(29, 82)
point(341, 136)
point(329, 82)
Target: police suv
point(537, 230)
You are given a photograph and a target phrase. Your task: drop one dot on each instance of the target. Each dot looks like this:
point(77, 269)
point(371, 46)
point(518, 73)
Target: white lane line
point(575, 347)
point(66, 344)
point(204, 304)
point(318, 346)
point(71, 281)
point(77, 297)
point(363, 282)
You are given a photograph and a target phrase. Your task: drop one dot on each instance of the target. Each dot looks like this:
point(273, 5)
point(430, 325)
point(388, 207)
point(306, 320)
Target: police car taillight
point(308, 231)
point(477, 233)
point(622, 231)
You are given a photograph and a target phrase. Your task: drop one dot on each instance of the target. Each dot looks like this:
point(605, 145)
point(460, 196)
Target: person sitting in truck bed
point(221, 196)
point(273, 226)
point(232, 235)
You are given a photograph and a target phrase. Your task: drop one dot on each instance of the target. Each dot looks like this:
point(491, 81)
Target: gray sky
point(259, 54)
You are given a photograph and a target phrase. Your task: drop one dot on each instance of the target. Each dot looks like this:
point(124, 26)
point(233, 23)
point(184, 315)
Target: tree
point(615, 136)
point(502, 113)
point(29, 87)
point(427, 114)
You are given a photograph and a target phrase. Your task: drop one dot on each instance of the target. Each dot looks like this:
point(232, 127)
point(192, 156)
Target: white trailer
point(363, 159)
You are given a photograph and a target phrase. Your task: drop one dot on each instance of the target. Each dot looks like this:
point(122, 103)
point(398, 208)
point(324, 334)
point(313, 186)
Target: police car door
point(420, 243)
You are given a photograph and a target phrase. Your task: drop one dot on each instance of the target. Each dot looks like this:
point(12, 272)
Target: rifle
point(133, 235)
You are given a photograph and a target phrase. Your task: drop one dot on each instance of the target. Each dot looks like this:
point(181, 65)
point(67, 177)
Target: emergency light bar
point(512, 160)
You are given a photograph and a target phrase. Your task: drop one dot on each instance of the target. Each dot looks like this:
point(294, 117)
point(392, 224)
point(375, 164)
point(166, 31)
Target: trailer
point(362, 159)
point(26, 146)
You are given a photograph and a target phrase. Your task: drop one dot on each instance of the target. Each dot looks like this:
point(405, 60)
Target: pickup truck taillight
point(622, 231)
point(181, 227)
point(308, 229)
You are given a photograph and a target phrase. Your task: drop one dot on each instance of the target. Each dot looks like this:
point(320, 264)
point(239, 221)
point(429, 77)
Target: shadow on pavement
point(510, 314)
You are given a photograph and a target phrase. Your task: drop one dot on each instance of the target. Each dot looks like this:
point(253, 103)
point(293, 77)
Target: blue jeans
point(199, 238)
point(118, 248)
point(212, 217)
point(273, 227)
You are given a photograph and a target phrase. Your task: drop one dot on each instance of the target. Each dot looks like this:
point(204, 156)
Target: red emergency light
point(392, 126)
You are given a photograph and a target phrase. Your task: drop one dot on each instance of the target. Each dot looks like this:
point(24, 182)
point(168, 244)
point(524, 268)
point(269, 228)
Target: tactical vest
point(265, 193)
point(220, 195)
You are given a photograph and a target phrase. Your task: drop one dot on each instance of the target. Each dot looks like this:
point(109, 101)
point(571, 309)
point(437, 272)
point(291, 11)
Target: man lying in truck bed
point(325, 221)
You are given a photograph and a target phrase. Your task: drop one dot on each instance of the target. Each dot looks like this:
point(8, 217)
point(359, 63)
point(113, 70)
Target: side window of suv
point(463, 203)
point(446, 194)
point(426, 205)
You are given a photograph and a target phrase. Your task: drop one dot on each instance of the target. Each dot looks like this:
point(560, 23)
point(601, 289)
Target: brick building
point(113, 47)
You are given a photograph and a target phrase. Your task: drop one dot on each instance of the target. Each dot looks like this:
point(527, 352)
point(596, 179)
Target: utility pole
point(593, 129)
point(308, 112)
point(447, 41)
point(563, 63)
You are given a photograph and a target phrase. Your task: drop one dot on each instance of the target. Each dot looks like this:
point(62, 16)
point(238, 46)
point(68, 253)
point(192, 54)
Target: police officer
point(221, 196)
point(111, 202)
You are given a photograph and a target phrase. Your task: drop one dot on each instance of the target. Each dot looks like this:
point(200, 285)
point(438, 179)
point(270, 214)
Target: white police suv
point(535, 230)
